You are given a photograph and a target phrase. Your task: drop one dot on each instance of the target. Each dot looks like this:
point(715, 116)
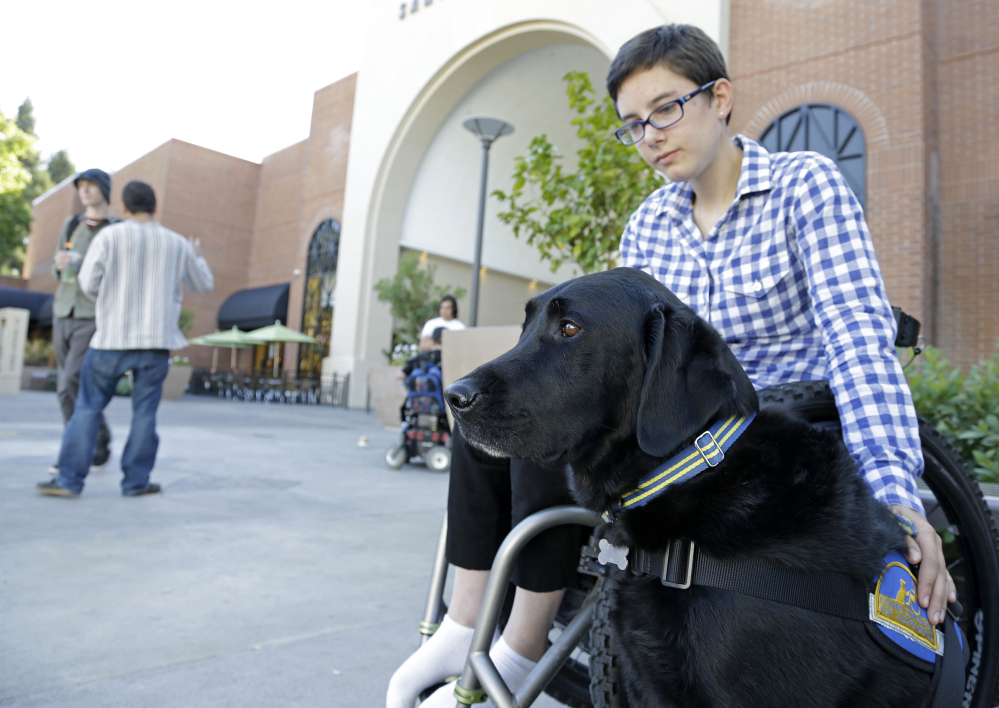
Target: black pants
point(488, 496)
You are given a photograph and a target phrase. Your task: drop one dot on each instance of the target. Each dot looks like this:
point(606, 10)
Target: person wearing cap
point(73, 323)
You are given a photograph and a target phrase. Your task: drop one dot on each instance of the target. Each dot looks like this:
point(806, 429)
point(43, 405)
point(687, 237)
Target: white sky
point(112, 79)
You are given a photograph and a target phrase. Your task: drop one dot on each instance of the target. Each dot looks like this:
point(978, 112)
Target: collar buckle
point(690, 566)
point(709, 448)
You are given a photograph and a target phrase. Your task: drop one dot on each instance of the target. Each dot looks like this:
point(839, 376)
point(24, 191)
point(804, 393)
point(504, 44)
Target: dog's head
point(608, 366)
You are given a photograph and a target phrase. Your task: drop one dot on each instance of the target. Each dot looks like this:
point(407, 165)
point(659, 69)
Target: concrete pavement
point(283, 565)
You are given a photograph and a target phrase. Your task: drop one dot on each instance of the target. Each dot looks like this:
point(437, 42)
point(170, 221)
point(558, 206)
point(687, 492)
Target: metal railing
point(261, 387)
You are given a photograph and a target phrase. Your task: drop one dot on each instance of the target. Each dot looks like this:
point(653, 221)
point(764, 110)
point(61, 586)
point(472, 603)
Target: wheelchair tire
point(605, 681)
point(976, 547)
point(396, 457)
point(975, 550)
point(438, 459)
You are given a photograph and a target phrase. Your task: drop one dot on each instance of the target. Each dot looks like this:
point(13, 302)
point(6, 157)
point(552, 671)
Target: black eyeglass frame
point(623, 134)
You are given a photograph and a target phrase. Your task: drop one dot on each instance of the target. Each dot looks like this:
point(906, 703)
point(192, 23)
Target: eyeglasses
point(663, 117)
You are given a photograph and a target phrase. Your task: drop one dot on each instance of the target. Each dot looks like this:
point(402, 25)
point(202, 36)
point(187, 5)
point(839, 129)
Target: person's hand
point(935, 587)
point(196, 245)
point(62, 259)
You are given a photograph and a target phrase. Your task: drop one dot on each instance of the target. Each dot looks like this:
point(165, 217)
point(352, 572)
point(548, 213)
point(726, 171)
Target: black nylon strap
point(827, 592)
point(949, 691)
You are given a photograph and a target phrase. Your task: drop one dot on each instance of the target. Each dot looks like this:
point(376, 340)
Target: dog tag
point(613, 554)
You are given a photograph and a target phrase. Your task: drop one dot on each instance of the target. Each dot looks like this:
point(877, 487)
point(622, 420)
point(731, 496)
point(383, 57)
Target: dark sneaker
point(53, 489)
point(102, 453)
point(153, 488)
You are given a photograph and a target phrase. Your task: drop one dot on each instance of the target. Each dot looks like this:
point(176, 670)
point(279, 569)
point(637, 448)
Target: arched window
point(827, 130)
point(320, 289)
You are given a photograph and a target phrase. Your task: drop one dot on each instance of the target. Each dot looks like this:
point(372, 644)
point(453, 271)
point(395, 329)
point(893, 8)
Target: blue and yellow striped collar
point(708, 450)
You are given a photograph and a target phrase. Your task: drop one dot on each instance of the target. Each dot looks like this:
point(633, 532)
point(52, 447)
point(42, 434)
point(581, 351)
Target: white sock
point(442, 656)
point(513, 667)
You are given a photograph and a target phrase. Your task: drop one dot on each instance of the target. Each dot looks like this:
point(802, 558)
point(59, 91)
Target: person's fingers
point(914, 554)
point(929, 566)
point(938, 603)
point(933, 576)
point(951, 588)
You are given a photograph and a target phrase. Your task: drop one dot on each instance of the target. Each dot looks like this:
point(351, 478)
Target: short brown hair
point(684, 49)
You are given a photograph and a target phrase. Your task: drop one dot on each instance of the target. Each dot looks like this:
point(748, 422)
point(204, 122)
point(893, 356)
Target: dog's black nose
point(460, 395)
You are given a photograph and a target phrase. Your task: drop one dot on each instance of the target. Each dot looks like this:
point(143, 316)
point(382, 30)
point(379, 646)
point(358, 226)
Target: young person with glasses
point(774, 252)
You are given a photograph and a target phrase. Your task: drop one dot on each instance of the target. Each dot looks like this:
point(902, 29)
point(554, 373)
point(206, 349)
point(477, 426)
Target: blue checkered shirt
point(789, 278)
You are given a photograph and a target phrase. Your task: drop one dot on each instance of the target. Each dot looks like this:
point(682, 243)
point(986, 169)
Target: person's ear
point(691, 378)
point(724, 95)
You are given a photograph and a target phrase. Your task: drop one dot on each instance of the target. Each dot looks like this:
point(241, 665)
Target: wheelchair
point(580, 667)
point(425, 431)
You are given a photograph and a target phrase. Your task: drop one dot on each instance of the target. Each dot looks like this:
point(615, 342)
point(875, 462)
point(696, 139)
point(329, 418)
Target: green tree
point(580, 216)
point(20, 184)
point(26, 117)
point(16, 148)
point(60, 167)
point(185, 322)
point(412, 297)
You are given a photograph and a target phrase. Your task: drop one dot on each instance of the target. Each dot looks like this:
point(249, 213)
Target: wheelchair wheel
point(958, 510)
point(395, 456)
point(438, 459)
point(956, 507)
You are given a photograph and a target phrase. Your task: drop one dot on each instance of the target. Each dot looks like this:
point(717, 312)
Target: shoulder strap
point(73, 223)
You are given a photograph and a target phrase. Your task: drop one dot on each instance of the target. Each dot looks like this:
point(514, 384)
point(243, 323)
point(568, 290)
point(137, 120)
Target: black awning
point(257, 307)
point(38, 304)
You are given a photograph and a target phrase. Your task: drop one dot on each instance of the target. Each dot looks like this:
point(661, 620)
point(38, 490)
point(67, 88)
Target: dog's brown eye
point(569, 329)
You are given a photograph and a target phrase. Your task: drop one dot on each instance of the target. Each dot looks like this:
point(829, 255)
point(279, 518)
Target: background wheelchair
point(580, 668)
point(425, 432)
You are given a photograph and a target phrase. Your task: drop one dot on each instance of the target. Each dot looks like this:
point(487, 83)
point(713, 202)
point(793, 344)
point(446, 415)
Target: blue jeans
point(102, 368)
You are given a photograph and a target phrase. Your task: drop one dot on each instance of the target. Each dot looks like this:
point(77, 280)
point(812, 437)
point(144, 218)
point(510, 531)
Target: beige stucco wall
point(501, 296)
point(414, 72)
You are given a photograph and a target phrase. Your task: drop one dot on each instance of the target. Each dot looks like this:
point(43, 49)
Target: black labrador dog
point(611, 376)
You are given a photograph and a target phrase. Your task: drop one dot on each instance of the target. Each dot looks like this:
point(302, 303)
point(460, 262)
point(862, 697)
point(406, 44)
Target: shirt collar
point(754, 176)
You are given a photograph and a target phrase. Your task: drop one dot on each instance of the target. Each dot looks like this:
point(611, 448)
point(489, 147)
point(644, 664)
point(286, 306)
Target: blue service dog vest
point(895, 611)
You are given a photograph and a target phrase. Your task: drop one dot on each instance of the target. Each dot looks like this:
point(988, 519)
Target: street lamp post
point(487, 130)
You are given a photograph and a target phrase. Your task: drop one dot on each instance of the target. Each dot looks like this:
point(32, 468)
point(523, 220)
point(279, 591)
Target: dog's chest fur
point(785, 491)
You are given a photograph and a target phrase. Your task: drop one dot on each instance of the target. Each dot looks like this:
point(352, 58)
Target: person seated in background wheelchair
point(447, 317)
point(770, 249)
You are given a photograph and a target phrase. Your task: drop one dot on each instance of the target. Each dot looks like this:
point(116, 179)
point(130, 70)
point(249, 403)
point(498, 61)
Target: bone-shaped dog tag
point(612, 554)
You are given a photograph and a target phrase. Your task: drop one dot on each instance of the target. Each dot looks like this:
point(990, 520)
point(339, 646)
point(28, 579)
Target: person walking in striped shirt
point(135, 270)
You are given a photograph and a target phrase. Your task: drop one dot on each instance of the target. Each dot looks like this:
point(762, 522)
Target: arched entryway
point(828, 130)
point(319, 297)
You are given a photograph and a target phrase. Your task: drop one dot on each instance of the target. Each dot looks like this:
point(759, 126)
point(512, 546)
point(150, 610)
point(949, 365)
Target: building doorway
point(319, 300)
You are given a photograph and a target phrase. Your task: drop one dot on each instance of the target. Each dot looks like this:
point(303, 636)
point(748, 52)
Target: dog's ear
point(691, 378)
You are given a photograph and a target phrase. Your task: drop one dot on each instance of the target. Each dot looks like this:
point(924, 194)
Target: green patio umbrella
point(232, 338)
point(277, 332)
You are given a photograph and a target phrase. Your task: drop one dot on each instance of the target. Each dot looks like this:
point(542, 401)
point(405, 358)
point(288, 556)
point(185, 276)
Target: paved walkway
point(283, 565)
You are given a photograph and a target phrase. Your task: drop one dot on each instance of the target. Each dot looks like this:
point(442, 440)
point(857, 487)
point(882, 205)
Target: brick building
point(917, 83)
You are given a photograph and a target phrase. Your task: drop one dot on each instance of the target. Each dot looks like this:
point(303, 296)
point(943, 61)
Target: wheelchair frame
point(480, 673)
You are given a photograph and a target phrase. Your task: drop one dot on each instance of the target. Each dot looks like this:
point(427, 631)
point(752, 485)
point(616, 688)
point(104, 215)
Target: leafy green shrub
point(963, 407)
point(412, 298)
point(37, 352)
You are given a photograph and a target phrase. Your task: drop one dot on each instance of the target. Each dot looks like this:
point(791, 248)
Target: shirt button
point(757, 286)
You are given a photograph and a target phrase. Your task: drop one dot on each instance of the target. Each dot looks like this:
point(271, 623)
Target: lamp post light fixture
point(487, 130)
